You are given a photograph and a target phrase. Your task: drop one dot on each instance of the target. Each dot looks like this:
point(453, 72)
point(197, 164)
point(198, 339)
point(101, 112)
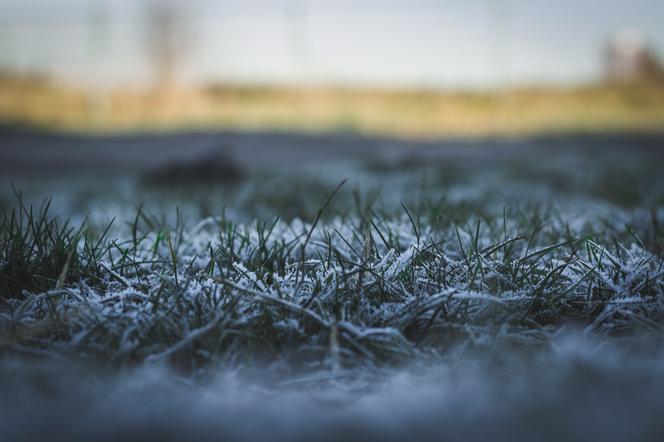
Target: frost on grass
point(355, 289)
point(489, 302)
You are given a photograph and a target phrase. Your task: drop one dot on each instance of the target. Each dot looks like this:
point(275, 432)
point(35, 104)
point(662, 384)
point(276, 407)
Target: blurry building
point(629, 59)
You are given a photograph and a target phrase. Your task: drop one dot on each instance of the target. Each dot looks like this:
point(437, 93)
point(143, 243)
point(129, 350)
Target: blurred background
point(418, 69)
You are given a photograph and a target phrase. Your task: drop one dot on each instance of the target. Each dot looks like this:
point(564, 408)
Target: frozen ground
point(507, 289)
point(572, 390)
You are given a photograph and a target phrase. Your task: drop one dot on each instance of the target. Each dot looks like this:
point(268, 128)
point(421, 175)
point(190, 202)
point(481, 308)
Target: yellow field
point(407, 113)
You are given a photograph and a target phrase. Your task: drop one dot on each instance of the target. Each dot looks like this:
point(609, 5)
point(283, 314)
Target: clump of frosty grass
point(353, 294)
point(359, 289)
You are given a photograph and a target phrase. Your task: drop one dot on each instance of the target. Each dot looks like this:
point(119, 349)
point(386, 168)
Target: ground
point(274, 285)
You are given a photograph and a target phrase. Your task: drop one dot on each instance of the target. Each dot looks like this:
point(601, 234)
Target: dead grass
point(423, 113)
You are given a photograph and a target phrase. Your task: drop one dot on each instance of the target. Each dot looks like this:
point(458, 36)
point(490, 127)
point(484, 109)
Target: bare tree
point(166, 40)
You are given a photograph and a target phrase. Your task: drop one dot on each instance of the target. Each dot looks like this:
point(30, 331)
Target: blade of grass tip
point(115, 275)
point(65, 268)
point(546, 249)
point(102, 237)
point(410, 217)
point(531, 239)
point(134, 226)
point(380, 234)
point(345, 241)
point(494, 247)
point(59, 285)
point(463, 252)
point(368, 244)
point(476, 240)
point(315, 223)
point(173, 260)
point(636, 237)
point(92, 251)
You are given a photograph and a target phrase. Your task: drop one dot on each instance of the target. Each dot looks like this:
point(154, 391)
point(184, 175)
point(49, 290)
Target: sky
point(412, 43)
